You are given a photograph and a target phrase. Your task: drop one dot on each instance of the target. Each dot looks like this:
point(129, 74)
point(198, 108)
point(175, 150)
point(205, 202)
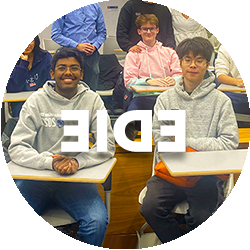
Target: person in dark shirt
point(31, 71)
point(126, 34)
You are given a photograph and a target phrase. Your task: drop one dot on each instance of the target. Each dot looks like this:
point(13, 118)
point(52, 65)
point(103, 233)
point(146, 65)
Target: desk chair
point(6, 110)
point(182, 208)
point(243, 120)
point(111, 46)
point(50, 45)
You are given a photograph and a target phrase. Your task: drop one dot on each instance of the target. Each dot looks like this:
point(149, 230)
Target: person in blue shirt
point(85, 30)
point(31, 71)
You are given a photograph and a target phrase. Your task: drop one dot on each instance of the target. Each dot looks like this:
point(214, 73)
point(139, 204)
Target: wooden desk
point(204, 163)
point(143, 88)
point(96, 174)
point(244, 135)
point(17, 97)
point(232, 88)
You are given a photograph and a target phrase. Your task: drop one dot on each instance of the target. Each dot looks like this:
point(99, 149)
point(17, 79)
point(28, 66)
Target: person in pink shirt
point(154, 65)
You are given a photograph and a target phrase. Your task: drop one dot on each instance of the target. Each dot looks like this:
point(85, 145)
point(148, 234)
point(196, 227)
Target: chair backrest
point(50, 45)
point(111, 46)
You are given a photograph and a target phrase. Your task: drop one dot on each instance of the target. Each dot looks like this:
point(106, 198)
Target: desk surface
point(96, 174)
point(17, 97)
point(232, 88)
point(143, 88)
point(204, 163)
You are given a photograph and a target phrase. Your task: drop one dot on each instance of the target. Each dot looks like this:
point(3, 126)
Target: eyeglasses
point(199, 62)
point(145, 29)
point(73, 69)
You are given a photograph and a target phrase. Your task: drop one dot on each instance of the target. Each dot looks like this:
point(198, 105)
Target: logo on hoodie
point(60, 123)
point(32, 81)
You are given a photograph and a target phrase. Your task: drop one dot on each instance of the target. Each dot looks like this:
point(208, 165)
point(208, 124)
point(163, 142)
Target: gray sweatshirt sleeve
point(92, 158)
point(21, 149)
point(221, 135)
point(227, 137)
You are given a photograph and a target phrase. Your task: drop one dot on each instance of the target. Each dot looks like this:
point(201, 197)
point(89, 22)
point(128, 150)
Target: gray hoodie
point(39, 131)
point(210, 120)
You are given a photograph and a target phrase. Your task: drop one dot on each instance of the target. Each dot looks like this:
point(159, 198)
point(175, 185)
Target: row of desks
point(232, 158)
point(22, 96)
point(222, 87)
point(178, 164)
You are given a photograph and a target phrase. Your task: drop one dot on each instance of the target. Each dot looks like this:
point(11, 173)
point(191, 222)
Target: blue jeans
point(81, 201)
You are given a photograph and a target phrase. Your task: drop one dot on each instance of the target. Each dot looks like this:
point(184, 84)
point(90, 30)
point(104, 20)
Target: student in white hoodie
point(232, 65)
point(36, 143)
point(154, 65)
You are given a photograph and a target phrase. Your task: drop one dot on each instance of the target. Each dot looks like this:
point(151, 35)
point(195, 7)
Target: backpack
point(122, 96)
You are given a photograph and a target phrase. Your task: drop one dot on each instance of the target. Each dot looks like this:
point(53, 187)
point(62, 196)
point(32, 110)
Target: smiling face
point(26, 43)
point(193, 69)
point(148, 33)
point(243, 24)
point(67, 75)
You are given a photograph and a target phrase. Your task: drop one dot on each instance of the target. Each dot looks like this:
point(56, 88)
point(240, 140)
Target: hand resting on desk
point(163, 82)
point(245, 82)
point(64, 165)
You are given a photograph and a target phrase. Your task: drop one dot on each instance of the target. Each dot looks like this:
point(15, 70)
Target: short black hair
point(66, 52)
point(197, 45)
point(242, 8)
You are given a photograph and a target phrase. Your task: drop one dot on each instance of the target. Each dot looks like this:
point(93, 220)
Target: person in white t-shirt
point(186, 27)
point(232, 64)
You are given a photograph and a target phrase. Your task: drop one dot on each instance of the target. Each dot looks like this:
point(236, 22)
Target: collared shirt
point(84, 25)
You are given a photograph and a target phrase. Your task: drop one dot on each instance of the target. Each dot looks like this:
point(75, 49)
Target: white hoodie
point(39, 131)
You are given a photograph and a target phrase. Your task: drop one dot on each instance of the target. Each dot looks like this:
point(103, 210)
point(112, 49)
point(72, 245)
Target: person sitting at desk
point(210, 125)
point(156, 65)
point(36, 143)
point(30, 73)
point(232, 65)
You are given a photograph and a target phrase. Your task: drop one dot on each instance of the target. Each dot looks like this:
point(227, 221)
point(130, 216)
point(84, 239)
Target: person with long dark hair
point(31, 71)
point(188, 18)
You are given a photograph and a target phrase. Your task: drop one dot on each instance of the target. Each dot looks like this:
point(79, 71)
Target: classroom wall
point(41, 18)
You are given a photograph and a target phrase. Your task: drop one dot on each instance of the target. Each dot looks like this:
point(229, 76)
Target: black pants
point(162, 196)
point(91, 70)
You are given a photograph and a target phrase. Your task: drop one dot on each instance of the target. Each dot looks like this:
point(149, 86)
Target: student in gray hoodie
point(36, 143)
point(210, 125)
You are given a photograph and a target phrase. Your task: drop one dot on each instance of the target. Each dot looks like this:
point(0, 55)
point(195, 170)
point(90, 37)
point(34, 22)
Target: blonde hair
point(146, 18)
